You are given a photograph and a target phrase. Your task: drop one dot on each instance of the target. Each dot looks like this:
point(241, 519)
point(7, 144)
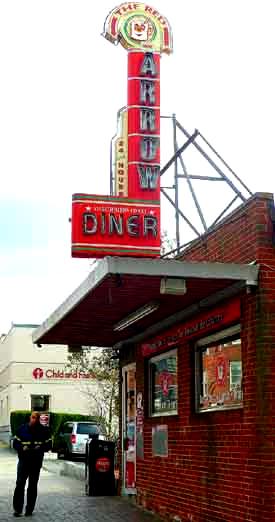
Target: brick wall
point(220, 466)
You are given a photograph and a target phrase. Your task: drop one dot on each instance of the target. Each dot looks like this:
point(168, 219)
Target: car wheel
point(67, 455)
point(61, 454)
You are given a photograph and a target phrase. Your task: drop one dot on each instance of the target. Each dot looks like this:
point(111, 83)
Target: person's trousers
point(26, 469)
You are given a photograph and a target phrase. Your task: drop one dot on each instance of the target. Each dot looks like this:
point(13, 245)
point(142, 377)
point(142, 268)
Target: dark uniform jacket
point(36, 438)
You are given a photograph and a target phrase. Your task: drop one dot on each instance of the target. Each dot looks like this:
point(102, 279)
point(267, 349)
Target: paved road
point(61, 499)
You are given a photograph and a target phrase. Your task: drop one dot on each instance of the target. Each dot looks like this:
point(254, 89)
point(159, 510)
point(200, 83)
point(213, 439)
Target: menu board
point(160, 441)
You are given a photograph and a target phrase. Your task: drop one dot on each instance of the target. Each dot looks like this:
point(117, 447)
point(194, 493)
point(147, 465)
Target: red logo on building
point(103, 464)
point(38, 373)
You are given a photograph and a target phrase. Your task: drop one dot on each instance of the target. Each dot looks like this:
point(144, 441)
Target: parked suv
point(73, 437)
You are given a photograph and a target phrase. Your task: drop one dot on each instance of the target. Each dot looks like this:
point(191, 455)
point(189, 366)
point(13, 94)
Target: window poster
point(164, 384)
point(221, 375)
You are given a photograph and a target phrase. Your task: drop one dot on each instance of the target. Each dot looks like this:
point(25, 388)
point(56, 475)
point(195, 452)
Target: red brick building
point(220, 465)
point(197, 367)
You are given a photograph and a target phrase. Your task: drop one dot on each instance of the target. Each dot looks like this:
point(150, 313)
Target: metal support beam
point(180, 213)
point(175, 250)
point(179, 151)
point(176, 182)
point(175, 198)
point(212, 163)
point(223, 212)
point(226, 164)
point(195, 199)
point(203, 178)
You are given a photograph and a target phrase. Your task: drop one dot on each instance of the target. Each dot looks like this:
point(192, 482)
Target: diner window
point(40, 402)
point(163, 382)
point(219, 371)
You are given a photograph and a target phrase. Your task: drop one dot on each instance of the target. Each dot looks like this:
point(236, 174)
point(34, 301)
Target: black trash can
point(99, 468)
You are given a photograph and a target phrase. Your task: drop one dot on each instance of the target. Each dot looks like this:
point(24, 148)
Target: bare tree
point(102, 390)
point(168, 244)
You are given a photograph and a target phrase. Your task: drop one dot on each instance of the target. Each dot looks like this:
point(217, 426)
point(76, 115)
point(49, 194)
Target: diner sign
point(128, 222)
point(105, 225)
point(204, 323)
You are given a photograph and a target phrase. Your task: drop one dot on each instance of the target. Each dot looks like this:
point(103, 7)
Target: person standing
point(31, 442)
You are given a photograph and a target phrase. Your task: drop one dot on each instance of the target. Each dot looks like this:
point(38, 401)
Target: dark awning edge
point(245, 273)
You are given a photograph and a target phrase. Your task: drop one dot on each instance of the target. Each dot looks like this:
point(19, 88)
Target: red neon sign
point(111, 225)
point(144, 125)
point(128, 223)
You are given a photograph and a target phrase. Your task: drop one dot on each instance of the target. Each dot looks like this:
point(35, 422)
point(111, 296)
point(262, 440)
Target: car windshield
point(87, 429)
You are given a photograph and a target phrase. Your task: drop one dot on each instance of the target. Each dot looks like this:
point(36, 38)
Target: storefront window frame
point(228, 334)
point(162, 355)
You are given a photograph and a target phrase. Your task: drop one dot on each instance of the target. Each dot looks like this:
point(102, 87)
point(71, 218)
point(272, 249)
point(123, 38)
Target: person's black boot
point(17, 514)
point(28, 514)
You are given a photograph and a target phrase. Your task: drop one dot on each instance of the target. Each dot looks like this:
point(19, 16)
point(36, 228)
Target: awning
point(127, 299)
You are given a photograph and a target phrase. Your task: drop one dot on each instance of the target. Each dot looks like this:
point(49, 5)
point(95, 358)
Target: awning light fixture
point(172, 286)
point(136, 316)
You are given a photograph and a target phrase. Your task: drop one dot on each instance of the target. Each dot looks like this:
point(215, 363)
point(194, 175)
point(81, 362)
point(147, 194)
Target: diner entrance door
point(129, 428)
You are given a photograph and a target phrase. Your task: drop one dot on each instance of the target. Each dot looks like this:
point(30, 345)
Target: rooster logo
point(141, 29)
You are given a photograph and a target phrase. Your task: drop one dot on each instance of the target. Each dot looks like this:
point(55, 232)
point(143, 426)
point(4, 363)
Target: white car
point(73, 437)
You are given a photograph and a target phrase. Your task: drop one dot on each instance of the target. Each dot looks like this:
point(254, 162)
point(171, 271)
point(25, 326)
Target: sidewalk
point(62, 499)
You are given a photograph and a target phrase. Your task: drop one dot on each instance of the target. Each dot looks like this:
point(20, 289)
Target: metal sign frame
point(234, 184)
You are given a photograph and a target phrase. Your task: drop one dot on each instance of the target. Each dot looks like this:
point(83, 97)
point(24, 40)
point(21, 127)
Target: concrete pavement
point(62, 499)
point(64, 468)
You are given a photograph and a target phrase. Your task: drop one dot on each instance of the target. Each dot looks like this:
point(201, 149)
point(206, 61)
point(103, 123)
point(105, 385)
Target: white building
point(36, 378)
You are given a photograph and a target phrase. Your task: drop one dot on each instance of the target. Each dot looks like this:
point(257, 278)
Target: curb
point(65, 469)
point(73, 470)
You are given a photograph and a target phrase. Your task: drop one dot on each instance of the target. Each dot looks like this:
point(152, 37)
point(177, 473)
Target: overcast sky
point(61, 86)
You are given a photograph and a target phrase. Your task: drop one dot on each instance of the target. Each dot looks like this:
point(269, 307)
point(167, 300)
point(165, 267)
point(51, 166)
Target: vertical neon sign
point(129, 222)
point(144, 125)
